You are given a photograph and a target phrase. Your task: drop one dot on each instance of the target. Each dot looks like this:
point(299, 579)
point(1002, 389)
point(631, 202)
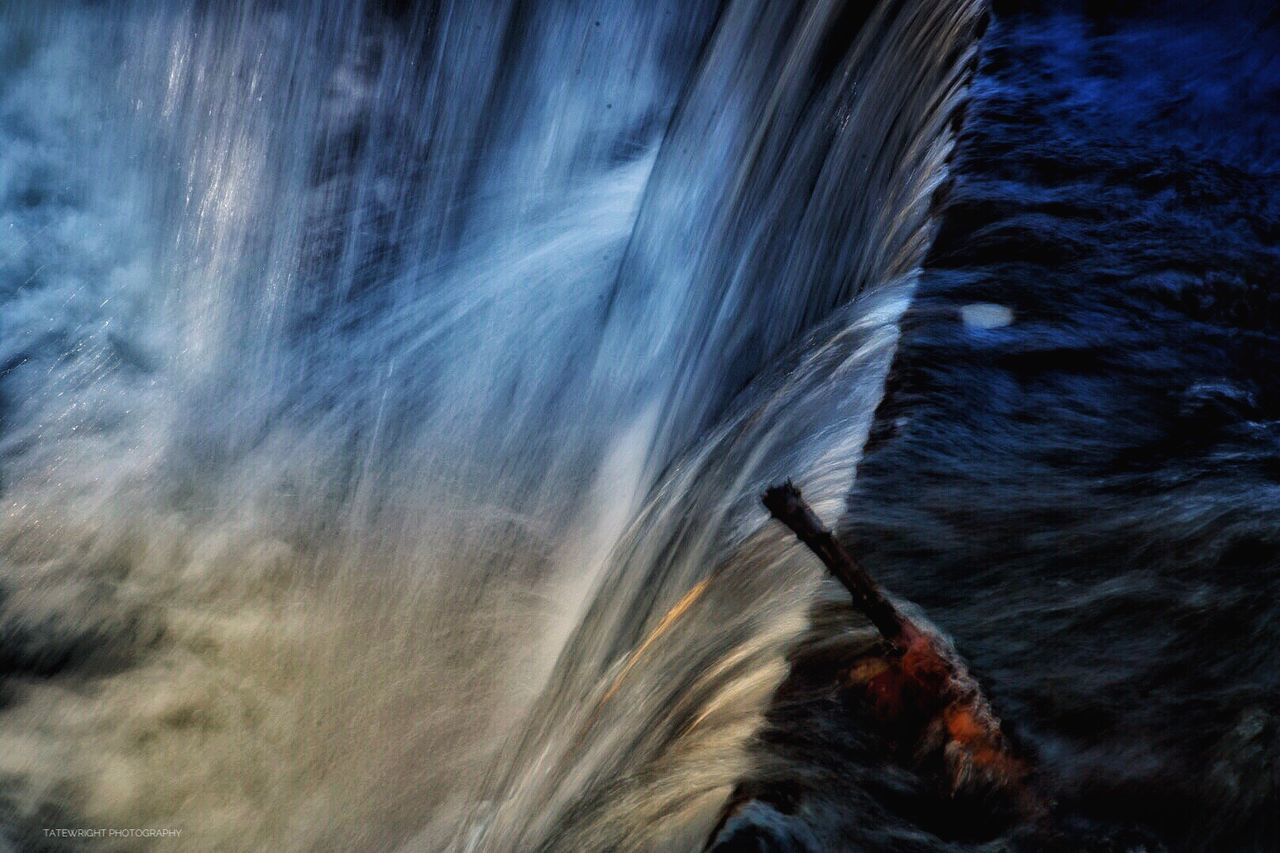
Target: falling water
point(386, 389)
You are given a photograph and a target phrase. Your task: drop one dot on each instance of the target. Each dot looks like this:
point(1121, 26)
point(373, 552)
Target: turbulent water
point(386, 390)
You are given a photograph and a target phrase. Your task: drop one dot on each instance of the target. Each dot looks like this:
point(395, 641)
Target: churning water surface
point(386, 387)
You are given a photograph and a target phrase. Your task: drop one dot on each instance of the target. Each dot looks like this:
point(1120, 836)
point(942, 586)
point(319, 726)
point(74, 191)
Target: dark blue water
point(1076, 468)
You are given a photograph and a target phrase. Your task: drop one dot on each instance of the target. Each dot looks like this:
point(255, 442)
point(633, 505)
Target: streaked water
point(386, 390)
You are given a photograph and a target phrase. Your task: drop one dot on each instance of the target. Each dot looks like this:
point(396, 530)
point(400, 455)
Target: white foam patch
point(986, 315)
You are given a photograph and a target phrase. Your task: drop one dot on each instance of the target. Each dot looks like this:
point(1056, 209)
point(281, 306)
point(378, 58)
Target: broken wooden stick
point(913, 689)
point(921, 691)
point(786, 505)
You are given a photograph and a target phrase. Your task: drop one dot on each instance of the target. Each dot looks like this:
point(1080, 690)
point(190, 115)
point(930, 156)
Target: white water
point(373, 390)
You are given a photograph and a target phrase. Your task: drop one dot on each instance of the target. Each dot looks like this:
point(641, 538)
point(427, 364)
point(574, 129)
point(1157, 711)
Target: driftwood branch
point(918, 693)
point(786, 505)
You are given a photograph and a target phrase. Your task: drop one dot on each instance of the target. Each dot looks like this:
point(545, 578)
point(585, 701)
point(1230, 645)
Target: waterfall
point(387, 386)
